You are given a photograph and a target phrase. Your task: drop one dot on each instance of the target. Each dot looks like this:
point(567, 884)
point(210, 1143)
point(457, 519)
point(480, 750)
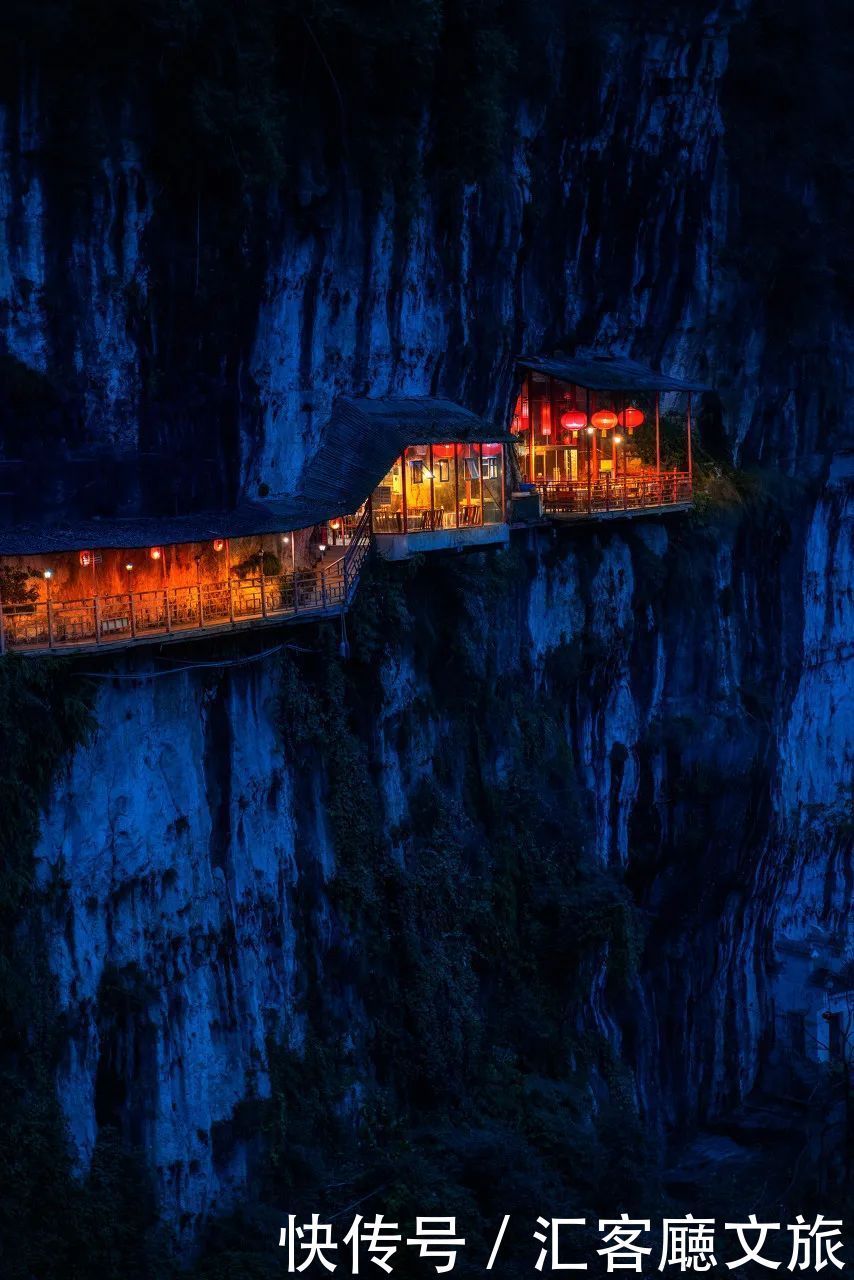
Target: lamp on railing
point(48, 574)
point(287, 539)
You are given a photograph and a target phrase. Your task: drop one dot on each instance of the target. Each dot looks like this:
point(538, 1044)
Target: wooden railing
point(172, 611)
point(628, 493)
point(428, 519)
point(356, 554)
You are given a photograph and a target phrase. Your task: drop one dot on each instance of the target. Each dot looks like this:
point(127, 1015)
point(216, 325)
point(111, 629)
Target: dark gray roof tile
point(607, 373)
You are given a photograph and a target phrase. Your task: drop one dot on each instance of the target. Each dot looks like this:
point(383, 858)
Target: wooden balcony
point(108, 622)
point(608, 497)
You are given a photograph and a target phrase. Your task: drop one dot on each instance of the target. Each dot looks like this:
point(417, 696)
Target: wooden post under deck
point(432, 492)
point(658, 444)
point(456, 449)
point(228, 581)
point(2, 632)
point(690, 455)
point(403, 487)
point(590, 439)
point(530, 430)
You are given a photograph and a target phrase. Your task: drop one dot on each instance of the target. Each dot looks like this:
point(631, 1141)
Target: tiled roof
point(147, 531)
point(361, 441)
point(607, 373)
point(365, 436)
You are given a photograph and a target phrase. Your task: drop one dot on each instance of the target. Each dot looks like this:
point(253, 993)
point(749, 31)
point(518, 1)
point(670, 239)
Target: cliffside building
point(591, 436)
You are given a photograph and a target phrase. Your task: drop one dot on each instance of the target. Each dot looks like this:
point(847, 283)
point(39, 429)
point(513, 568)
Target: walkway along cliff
point(256, 565)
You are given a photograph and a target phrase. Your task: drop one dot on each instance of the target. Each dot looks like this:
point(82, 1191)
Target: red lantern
point(573, 420)
point(631, 417)
point(85, 558)
point(155, 553)
point(604, 419)
point(219, 544)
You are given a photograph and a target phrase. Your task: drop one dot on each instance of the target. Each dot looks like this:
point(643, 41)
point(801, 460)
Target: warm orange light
point(334, 524)
point(604, 419)
point(618, 439)
point(219, 544)
point(85, 558)
point(573, 420)
point(155, 554)
point(545, 420)
point(128, 567)
point(631, 417)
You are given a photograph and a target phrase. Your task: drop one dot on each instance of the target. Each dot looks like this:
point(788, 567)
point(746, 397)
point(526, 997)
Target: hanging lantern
point(155, 553)
point(604, 419)
point(573, 420)
point(545, 421)
point(85, 558)
point(631, 417)
point(219, 544)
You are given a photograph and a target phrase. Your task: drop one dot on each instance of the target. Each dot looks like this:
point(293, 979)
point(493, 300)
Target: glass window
point(419, 489)
point(387, 501)
point(469, 495)
point(444, 486)
point(493, 483)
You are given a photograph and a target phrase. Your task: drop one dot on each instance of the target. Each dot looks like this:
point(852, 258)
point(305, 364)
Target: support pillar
point(658, 446)
point(690, 454)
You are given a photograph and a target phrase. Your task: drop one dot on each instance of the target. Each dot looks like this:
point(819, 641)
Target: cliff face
point(195, 849)
point(700, 668)
point(607, 226)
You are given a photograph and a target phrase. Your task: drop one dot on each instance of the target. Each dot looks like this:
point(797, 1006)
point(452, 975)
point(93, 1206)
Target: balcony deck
point(617, 499)
point(400, 546)
point(169, 614)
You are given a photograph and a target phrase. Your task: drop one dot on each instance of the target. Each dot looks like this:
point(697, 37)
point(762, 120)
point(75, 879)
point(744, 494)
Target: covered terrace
point(604, 436)
point(434, 471)
point(117, 583)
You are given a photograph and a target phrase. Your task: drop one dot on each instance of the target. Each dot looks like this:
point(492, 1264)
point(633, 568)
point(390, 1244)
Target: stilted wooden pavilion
point(604, 436)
